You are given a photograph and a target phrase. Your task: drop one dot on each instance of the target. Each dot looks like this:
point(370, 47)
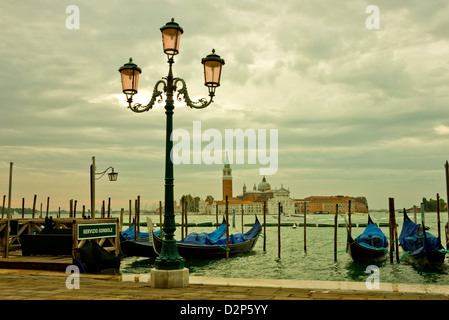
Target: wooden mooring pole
point(227, 229)
point(264, 226)
point(182, 218)
point(160, 219)
point(279, 230)
point(130, 214)
point(447, 195)
point(394, 245)
point(305, 226)
point(92, 189)
point(390, 227)
point(396, 238)
point(138, 217)
point(242, 217)
point(186, 219)
point(349, 218)
point(34, 206)
point(335, 232)
point(48, 205)
point(438, 216)
point(3, 206)
point(8, 214)
point(122, 211)
point(135, 219)
point(216, 215)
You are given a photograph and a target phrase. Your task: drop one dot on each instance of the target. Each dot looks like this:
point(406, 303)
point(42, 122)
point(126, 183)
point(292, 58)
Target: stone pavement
point(51, 285)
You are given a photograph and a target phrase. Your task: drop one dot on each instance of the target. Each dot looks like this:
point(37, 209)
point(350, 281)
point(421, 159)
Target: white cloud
point(441, 129)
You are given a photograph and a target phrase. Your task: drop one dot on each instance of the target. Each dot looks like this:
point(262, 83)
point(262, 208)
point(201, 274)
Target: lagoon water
point(317, 263)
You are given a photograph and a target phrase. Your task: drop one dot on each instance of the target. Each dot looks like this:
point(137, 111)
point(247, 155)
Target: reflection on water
point(315, 264)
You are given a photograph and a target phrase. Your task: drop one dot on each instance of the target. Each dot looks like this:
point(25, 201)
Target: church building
point(252, 201)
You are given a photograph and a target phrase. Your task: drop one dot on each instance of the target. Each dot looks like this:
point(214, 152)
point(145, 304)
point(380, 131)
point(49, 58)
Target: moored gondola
point(133, 244)
point(370, 246)
point(420, 247)
point(193, 248)
point(142, 247)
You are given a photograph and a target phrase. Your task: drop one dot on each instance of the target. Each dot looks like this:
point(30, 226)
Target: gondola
point(143, 245)
point(197, 248)
point(140, 247)
point(370, 246)
point(420, 247)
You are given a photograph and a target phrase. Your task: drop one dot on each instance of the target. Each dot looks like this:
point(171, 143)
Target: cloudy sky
point(358, 111)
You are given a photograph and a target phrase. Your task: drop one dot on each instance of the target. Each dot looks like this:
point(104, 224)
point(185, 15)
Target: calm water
point(315, 264)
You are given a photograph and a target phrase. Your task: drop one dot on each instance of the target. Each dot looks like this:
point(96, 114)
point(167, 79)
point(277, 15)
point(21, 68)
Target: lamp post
point(169, 258)
point(112, 177)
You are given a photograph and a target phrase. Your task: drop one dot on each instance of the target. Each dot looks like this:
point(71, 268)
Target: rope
point(222, 246)
point(384, 249)
point(406, 253)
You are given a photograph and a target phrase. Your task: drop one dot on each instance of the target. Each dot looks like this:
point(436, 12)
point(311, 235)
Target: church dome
point(264, 185)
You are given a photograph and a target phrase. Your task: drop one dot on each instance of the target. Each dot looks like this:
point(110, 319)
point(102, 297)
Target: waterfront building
point(282, 196)
point(248, 207)
point(327, 204)
point(251, 201)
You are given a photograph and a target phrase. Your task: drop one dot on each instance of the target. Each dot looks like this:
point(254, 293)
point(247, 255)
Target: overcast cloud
point(359, 112)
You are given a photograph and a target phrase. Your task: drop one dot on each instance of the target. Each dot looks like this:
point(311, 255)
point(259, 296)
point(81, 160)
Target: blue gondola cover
point(410, 240)
point(128, 234)
point(372, 237)
point(205, 238)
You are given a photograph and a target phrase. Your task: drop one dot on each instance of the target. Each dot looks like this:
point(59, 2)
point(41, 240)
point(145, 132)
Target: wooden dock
point(52, 263)
point(26, 244)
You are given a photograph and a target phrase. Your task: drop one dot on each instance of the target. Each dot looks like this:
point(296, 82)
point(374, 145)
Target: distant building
point(251, 201)
point(327, 204)
point(281, 196)
point(248, 207)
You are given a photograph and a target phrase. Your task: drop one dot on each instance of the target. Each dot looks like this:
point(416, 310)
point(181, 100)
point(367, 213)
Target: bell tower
point(227, 179)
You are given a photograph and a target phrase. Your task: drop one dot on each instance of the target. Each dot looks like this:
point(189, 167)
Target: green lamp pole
point(112, 177)
point(169, 258)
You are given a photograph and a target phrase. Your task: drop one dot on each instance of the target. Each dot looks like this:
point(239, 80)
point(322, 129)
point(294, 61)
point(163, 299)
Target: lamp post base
point(167, 279)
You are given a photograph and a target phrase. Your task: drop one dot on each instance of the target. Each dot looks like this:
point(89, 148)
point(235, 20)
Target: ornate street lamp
point(171, 36)
point(169, 258)
point(130, 78)
point(112, 177)
point(212, 71)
